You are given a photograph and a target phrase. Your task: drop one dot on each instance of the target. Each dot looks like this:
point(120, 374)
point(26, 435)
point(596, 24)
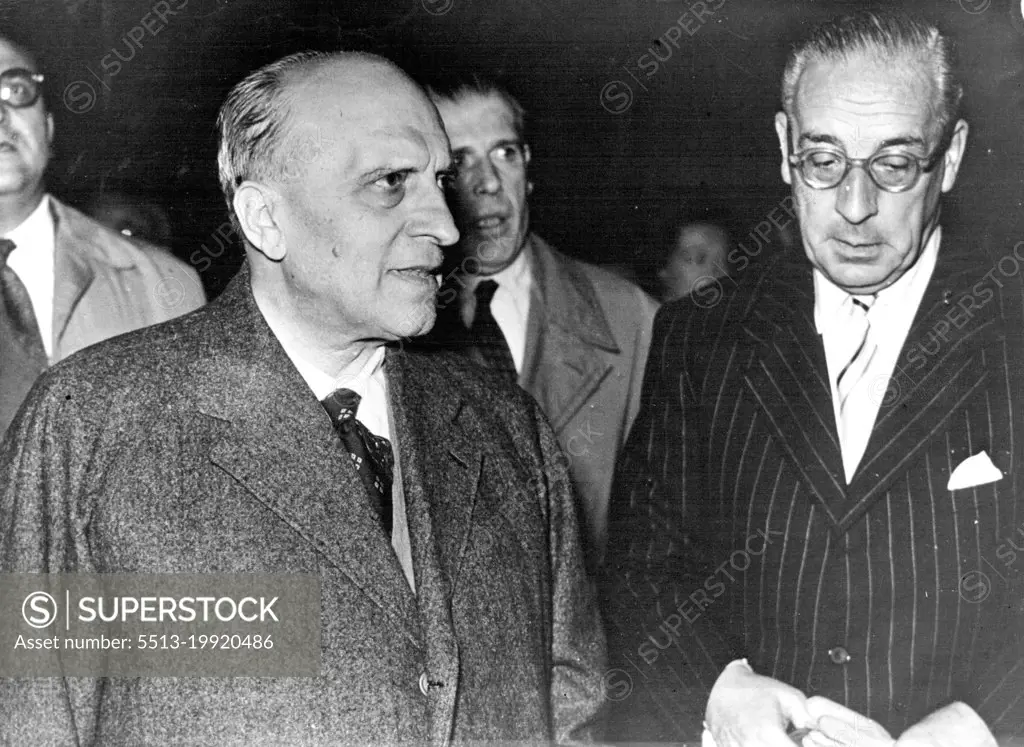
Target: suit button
point(424, 684)
point(839, 655)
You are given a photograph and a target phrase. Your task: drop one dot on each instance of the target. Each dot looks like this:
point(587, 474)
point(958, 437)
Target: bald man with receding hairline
point(285, 429)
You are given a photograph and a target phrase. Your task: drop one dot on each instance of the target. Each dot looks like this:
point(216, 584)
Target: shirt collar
point(357, 375)
point(908, 288)
point(34, 230)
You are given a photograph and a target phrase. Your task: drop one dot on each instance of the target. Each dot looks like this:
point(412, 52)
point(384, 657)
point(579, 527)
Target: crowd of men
point(539, 508)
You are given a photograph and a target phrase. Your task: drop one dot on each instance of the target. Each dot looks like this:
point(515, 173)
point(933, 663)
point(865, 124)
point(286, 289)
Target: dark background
point(697, 130)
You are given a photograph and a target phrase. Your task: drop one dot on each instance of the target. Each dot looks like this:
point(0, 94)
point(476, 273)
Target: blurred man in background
point(137, 217)
point(65, 281)
point(571, 334)
point(698, 258)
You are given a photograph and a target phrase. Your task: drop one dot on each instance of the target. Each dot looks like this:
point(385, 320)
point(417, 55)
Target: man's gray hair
point(889, 34)
point(252, 122)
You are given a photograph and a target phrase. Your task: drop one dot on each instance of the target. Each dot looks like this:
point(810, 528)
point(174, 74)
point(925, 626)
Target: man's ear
point(782, 130)
point(255, 206)
point(954, 155)
point(526, 162)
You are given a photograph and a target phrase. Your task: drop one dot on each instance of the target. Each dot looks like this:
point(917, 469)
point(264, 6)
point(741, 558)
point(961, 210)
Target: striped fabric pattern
point(734, 534)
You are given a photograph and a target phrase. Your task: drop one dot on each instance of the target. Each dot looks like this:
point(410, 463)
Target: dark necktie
point(486, 334)
point(22, 355)
point(371, 454)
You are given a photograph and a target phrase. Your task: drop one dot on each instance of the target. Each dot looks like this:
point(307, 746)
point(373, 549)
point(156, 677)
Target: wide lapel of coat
point(940, 368)
point(566, 330)
point(789, 379)
point(75, 255)
point(275, 439)
point(441, 463)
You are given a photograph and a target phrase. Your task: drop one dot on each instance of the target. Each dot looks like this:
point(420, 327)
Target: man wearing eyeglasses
point(571, 334)
point(66, 282)
point(825, 466)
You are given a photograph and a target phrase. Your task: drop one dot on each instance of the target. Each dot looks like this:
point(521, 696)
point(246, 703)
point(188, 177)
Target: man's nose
point(858, 196)
point(438, 223)
point(485, 178)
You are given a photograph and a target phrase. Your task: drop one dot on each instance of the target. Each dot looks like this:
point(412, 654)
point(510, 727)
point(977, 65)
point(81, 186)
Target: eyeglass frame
point(925, 164)
point(36, 78)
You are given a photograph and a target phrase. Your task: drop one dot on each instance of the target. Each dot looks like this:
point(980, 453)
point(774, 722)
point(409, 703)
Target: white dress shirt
point(510, 305)
point(34, 263)
point(364, 376)
point(889, 318)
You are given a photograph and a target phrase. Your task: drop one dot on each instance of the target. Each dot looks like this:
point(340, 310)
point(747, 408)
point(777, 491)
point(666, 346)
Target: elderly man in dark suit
point(573, 335)
point(279, 431)
point(66, 282)
point(826, 463)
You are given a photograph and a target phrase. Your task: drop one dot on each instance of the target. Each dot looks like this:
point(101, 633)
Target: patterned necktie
point(856, 332)
point(22, 355)
point(372, 455)
point(486, 334)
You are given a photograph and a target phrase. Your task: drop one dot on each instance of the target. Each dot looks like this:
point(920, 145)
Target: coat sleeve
point(41, 479)
point(663, 654)
point(577, 634)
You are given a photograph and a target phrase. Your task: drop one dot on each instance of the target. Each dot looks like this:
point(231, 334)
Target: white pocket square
point(973, 471)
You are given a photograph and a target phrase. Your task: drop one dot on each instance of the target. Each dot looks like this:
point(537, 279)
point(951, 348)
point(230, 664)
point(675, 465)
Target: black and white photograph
point(512, 372)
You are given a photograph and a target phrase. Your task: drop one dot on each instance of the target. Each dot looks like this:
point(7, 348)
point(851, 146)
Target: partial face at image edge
point(26, 134)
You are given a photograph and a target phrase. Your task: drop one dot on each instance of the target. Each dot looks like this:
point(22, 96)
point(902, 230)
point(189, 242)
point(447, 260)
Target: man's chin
point(419, 321)
point(12, 182)
point(486, 256)
point(862, 281)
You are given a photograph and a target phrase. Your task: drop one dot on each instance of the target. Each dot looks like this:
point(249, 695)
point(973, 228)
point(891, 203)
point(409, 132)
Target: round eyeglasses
point(20, 88)
point(821, 168)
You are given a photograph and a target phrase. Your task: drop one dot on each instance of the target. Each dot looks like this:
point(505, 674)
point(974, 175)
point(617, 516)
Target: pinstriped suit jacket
point(734, 534)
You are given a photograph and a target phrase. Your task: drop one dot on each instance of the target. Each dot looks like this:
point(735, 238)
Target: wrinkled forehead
point(865, 99)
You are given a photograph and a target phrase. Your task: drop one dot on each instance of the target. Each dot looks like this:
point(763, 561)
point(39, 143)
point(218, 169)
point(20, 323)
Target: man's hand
point(838, 726)
point(748, 710)
point(954, 725)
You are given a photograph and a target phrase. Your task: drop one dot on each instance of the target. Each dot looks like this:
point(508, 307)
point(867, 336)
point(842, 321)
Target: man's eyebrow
point(372, 174)
point(496, 144)
point(820, 138)
point(903, 140)
point(814, 137)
